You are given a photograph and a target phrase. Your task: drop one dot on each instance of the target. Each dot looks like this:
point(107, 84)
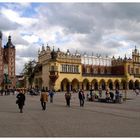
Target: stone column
point(113, 86)
point(90, 85)
point(70, 86)
point(106, 85)
point(80, 85)
point(126, 88)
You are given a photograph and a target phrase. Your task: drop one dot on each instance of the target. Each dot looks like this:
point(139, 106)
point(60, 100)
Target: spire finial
point(125, 58)
point(9, 38)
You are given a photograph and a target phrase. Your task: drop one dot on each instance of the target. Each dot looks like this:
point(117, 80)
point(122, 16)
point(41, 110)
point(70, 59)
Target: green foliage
point(29, 71)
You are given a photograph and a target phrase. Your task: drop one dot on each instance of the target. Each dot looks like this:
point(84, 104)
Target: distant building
point(7, 64)
point(20, 81)
point(62, 71)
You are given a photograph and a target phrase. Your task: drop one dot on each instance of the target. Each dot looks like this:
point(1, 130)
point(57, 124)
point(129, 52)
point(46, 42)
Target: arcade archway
point(74, 85)
point(94, 84)
point(110, 84)
point(85, 84)
point(102, 84)
point(65, 84)
point(131, 84)
point(117, 85)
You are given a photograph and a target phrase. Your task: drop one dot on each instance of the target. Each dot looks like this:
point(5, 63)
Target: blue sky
point(98, 28)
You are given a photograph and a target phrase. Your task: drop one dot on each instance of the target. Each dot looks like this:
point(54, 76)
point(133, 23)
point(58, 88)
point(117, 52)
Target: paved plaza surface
point(95, 119)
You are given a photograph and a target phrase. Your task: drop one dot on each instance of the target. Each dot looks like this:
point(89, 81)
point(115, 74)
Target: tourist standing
point(117, 95)
point(51, 94)
point(44, 99)
point(91, 95)
point(81, 97)
point(100, 92)
point(107, 95)
point(68, 98)
point(20, 100)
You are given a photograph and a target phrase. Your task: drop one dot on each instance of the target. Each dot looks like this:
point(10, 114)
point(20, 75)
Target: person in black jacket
point(81, 97)
point(68, 98)
point(20, 100)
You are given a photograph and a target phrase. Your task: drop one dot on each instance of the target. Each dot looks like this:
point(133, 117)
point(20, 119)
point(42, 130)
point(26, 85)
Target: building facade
point(62, 71)
point(7, 64)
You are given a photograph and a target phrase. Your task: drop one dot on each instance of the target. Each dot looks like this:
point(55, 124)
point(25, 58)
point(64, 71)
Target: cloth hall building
point(64, 70)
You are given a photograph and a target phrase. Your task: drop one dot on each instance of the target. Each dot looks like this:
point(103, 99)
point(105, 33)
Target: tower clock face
point(6, 69)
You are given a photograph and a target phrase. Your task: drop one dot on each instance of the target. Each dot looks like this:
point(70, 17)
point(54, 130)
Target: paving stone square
point(95, 119)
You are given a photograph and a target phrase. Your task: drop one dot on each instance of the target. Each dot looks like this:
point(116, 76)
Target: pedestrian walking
point(81, 97)
point(100, 92)
point(44, 99)
point(68, 98)
point(2, 92)
point(51, 94)
point(91, 95)
point(20, 100)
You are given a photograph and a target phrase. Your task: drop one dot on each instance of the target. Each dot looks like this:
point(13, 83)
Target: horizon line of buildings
point(64, 70)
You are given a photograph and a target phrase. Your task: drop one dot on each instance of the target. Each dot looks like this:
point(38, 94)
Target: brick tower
point(9, 64)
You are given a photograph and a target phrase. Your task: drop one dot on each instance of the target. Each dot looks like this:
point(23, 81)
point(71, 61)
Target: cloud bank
point(98, 28)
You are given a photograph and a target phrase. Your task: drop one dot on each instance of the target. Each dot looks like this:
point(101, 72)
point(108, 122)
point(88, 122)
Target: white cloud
point(31, 38)
point(15, 17)
point(103, 28)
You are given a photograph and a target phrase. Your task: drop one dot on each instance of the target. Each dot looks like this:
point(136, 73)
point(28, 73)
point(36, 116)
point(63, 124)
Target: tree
point(29, 71)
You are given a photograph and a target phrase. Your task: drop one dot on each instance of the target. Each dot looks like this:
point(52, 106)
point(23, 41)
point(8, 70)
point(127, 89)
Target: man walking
point(43, 99)
point(20, 100)
point(81, 97)
point(68, 98)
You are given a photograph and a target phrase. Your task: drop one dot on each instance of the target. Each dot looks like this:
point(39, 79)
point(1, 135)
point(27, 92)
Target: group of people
point(7, 91)
point(109, 95)
point(81, 97)
point(43, 98)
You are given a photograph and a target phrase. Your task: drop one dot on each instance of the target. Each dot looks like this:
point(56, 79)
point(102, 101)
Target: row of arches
point(96, 84)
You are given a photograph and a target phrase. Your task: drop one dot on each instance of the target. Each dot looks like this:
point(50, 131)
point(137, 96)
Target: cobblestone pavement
point(93, 120)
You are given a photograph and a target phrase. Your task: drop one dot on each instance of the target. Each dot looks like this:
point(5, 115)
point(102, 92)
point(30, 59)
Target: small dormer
point(68, 52)
point(135, 50)
point(125, 58)
point(48, 48)
point(53, 54)
point(113, 57)
point(58, 50)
